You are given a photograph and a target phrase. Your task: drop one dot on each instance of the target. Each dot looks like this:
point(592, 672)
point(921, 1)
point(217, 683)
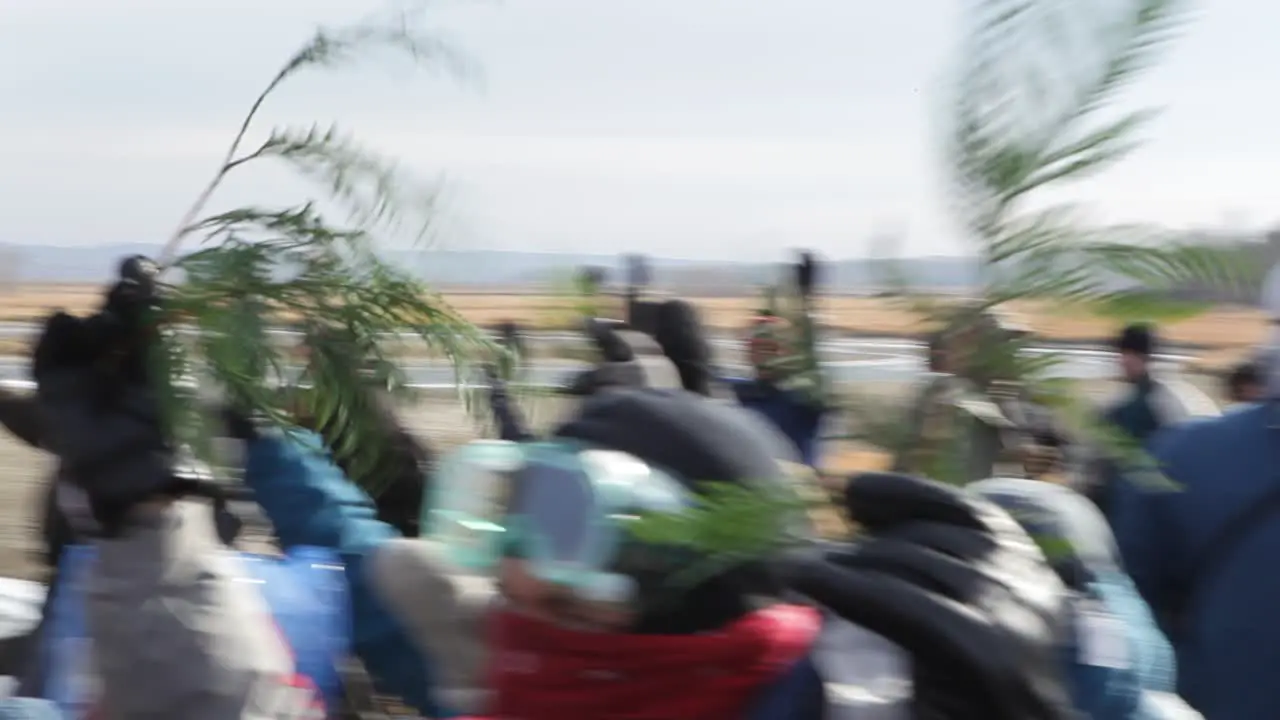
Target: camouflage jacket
point(956, 434)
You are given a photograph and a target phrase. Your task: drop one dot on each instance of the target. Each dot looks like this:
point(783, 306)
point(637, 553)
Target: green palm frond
point(259, 267)
point(730, 525)
point(1031, 111)
point(1033, 79)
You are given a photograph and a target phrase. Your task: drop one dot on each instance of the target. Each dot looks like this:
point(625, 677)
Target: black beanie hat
point(1137, 338)
point(698, 440)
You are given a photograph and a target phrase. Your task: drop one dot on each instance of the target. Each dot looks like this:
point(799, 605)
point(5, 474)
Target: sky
point(713, 129)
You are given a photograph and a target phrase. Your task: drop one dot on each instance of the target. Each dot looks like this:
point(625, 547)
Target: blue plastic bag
point(306, 591)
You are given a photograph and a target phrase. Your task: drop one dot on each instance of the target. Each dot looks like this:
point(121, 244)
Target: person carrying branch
point(175, 630)
point(788, 386)
point(1201, 544)
point(958, 433)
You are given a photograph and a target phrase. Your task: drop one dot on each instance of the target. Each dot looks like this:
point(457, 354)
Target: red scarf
point(543, 672)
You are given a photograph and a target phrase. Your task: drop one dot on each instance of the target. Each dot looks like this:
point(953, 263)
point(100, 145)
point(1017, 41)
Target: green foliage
point(259, 265)
point(799, 369)
point(730, 525)
point(1030, 113)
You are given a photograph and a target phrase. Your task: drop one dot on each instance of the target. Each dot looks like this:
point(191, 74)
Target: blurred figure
point(175, 630)
point(1146, 407)
point(1244, 384)
point(787, 386)
point(1201, 550)
point(956, 433)
point(404, 460)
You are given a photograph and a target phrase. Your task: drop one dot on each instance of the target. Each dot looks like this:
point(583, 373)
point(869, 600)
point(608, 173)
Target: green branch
point(258, 266)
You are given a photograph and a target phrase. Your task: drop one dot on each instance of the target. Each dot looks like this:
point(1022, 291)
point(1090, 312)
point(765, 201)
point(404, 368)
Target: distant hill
point(487, 269)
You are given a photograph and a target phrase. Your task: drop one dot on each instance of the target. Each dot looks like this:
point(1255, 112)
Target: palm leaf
point(259, 266)
point(1030, 111)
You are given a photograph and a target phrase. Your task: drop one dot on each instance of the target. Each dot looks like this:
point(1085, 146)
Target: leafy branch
point(731, 524)
point(327, 49)
point(1031, 111)
point(257, 267)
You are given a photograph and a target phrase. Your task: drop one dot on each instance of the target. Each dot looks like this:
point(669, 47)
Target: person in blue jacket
point(787, 386)
point(1200, 542)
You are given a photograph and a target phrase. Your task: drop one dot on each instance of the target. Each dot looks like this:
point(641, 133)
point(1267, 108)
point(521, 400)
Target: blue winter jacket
point(794, 416)
point(1227, 640)
point(311, 502)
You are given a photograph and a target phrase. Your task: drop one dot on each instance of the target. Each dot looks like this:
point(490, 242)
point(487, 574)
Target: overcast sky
point(696, 128)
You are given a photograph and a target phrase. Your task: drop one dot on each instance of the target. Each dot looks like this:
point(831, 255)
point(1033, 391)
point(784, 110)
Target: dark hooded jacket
point(20, 416)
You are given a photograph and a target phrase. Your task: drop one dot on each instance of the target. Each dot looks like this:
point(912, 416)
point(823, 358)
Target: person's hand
point(957, 584)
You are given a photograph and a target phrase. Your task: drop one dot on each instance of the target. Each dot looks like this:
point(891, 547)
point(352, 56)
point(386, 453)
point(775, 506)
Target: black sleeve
point(21, 416)
point(511, 426)
point(108, 447)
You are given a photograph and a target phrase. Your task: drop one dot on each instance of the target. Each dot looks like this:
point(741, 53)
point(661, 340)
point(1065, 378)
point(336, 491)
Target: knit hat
point(1137, 338)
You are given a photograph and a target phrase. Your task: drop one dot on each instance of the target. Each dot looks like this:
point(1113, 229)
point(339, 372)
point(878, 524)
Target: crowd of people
point(512, 583)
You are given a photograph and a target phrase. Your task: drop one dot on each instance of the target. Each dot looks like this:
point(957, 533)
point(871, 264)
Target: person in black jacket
point(175, 630)
point(1140, 412)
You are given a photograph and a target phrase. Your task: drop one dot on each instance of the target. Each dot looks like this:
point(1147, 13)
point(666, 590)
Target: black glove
point(603, 334)
point(957, 584)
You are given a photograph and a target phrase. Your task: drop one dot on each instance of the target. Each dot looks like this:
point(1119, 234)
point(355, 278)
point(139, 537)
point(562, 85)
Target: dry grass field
point(1225, 332)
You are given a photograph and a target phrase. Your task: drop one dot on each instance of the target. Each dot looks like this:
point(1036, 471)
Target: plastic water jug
point(306, 591)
